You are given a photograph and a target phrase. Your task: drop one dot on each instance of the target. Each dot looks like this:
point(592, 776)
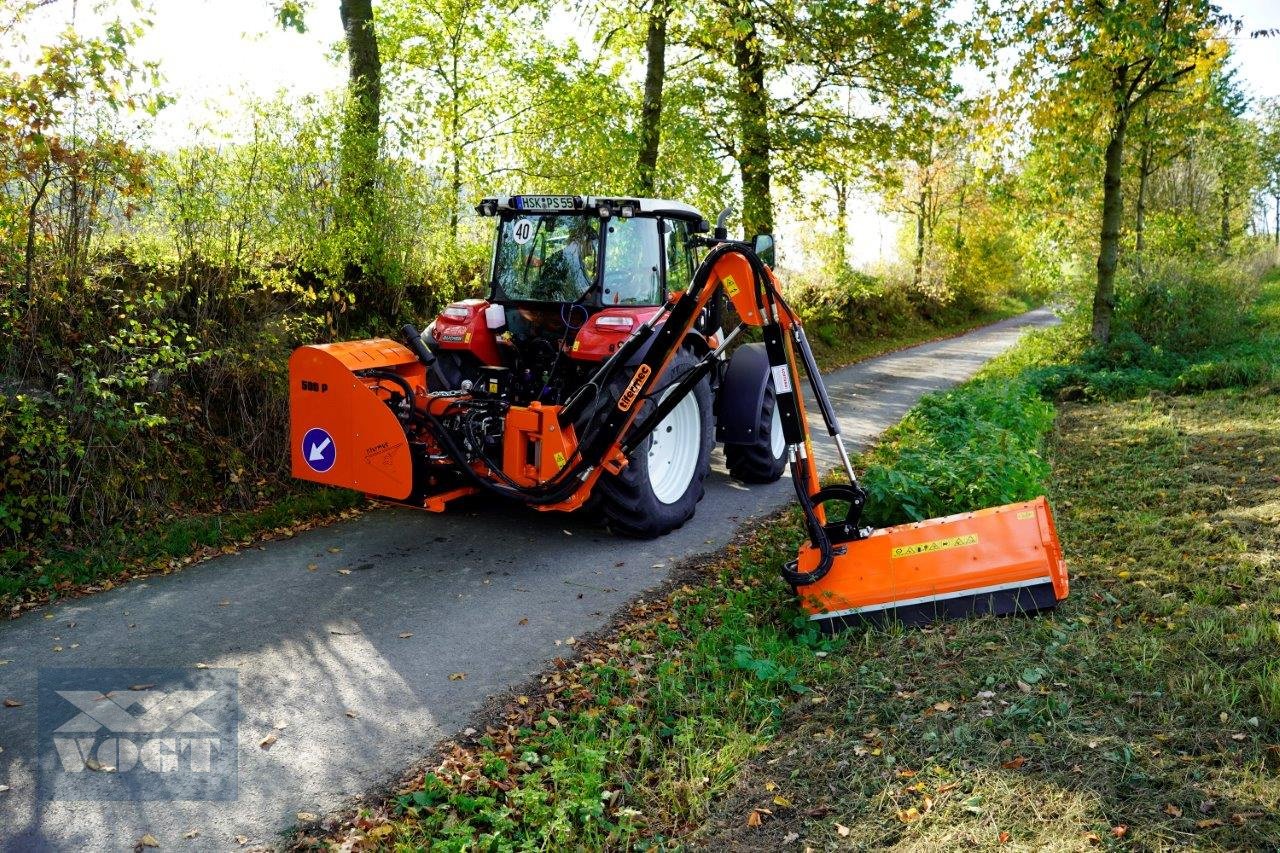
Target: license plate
point(547, 202)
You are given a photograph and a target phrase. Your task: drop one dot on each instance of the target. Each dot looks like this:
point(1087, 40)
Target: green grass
point(161, 547)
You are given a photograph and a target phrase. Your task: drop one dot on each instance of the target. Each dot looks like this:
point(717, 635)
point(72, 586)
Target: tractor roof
point(614, 205)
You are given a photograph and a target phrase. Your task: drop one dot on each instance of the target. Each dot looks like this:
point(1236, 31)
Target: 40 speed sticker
point(935, 545)
point(522, 231)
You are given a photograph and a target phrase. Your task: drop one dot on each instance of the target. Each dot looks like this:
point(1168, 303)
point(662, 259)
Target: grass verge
point(65, 572)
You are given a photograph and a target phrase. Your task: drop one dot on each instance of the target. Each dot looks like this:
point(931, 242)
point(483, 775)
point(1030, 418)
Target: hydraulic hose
point(790, 571)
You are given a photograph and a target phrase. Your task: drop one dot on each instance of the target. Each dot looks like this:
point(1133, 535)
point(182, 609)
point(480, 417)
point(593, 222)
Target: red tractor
point(572, 278)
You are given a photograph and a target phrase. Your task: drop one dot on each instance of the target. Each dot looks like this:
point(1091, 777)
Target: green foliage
point(975, 446)
point(1184, 306)
point(1209, 329)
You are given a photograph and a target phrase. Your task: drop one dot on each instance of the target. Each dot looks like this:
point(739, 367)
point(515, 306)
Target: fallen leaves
point(1210, 823)
point(12, 703)
point(842, 830)
point(1014, 763)
point(1119, 830)
point(1172, 811)
point(307, 817)
point(406, 635)
point(942, 707)
point(267, 741)
point(147, 840)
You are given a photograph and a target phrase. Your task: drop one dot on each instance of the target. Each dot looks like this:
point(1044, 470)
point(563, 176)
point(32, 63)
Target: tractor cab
point(570, 278)
point(598, 253)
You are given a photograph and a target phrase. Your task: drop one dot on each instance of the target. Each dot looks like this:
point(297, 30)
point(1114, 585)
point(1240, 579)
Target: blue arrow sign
point(319, 450)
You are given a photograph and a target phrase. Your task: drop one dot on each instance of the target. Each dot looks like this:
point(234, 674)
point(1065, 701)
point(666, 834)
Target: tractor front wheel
point(661, 485)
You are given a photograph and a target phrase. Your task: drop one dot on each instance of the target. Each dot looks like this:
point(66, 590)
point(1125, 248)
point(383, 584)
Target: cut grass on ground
point(1145, 711)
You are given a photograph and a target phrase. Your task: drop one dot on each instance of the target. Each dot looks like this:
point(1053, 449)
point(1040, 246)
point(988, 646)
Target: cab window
point(632, 263)
point(675, 238)
point(546, 258)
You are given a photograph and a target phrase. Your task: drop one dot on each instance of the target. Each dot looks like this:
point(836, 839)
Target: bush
point(1185, 306)
point(974, 446)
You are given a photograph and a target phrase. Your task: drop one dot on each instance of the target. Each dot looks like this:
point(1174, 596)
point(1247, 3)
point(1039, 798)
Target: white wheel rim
point(777, 441)
point(673, 450)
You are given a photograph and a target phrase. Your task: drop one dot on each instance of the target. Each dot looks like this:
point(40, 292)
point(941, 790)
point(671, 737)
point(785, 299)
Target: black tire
point(628, 500)
point(758, 462)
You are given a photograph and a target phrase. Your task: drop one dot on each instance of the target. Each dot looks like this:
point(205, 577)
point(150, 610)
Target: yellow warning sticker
point(559, 460)
point(935, 545)
point(1024, 514)
point(577, 345)
point(730, 286)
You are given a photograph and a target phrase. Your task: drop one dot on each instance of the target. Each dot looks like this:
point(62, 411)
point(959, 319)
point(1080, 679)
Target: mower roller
point(592, 375)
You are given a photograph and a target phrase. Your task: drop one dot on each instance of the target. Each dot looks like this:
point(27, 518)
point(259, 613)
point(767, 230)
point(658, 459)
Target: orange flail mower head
point(1001, 561)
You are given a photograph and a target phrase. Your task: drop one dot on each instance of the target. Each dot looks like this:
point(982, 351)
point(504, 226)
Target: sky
point(216, 53)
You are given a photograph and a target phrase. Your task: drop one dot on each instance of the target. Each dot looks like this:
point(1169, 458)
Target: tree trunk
point(1109, 245)
point(361, 137)
point(754, 146)
point(1277, 234)
point(842, 222)
point(917, 275)
point(455, 150)
point(1140, 208)
point(29, 257)
point(1224, 238)
point(364, 86)
point(655, 76)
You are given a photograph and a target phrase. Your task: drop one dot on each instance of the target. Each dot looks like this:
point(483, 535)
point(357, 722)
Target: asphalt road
point(360, 657)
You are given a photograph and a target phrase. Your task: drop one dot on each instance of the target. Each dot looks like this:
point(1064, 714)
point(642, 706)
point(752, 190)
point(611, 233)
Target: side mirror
point(763, 244)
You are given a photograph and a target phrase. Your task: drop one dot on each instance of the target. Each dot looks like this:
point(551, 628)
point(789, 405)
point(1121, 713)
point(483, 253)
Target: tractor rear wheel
point(764, 460)
point(661, 485)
